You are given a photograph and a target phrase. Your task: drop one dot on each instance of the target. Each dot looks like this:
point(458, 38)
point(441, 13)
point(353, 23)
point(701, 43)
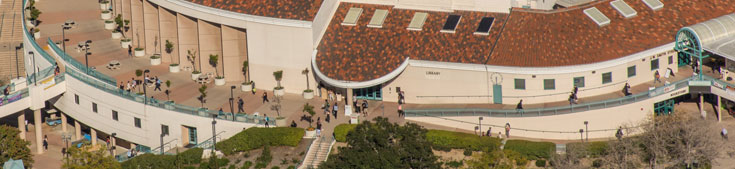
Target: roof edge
point(237, 15)
point(355, 85)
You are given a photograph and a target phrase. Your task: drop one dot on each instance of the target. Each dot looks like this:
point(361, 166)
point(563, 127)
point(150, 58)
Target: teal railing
point(207, 144)
point(76, 64)
point(12, 97)
point(35, 45)
point(546, 111)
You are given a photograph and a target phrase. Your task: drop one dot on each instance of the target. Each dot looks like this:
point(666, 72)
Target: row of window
point(136, 120)
point(550, 84)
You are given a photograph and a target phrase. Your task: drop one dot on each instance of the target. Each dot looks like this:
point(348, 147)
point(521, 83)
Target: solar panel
point(417, 22)
point(654, 4)
point(451, 24)
point(597, 16)
point(378, 18)
point(484, 27)
point(623, 8)
point(352, 16)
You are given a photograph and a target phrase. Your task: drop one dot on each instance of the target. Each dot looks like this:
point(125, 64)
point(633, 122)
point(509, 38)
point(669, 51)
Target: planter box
point(203, 113)
point(104, 6)
point(168, 106)
point(117, 35)
point(281, 122)
point(308, 95)
point(37, 34)
point(240, 118)
point(310, 134)
point(279, 92)
point(106, 16)
point(246, 88)
point(156, 61)
point(174, 69)
point(29, 23)
point(219, 82)
point(139, 53)
point(109, 26)
point(195, 76)
point(125, 45)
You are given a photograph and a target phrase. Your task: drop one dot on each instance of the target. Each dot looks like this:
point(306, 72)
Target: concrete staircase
point(318, 152)
point(11, 35)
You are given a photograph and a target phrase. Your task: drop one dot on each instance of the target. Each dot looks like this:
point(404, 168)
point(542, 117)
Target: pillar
point(37, 123)
point(22, 125)
point(77, 130)
point(94, 135)
point(719, 108)
point(63, 122)
point(349, 97)
point(701, 106)
point(113, 144)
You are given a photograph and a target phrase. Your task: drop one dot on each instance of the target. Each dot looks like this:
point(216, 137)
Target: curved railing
point(81, 67)
point(31, 39)
point(548, 111)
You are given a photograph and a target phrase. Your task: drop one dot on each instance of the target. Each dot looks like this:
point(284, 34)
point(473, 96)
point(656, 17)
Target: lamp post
point(64, 27)
point(17, 69)
point(476, 128)
point(480, 123)
point(86, 54)
point(162, 134)
point(586, 128)
point(581, 137)
point(112, 144)
point(214, 137)
point(66, 137)
point(145, 93)
point(34, 66)
point(232, 100)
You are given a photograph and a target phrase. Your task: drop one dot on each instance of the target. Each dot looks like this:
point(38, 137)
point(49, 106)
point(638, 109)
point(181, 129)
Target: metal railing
point(32, 41)
point(207, 144)
point(76, 64)
point(550, 110)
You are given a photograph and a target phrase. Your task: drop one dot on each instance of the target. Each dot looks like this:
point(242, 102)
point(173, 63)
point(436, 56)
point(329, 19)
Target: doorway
point(370, 93)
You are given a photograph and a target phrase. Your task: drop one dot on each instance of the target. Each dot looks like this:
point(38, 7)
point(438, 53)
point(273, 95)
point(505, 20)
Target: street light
point(17, 71)
point(66, 137)
point(64, 27)
point(586, 128)
point(86, 54)
point(480, 119)
point(580, 134)
point(232, 100)
point(34, 66)
point(214, 137)
point(145, 94)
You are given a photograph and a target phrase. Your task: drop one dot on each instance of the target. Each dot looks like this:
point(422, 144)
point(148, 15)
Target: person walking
point(26, 125)
point(266, 121)
point(252, 87)
point(130, 51)
point(619, 133)
point(519, 107)
point(724, 133)
point(626, 89)
point(400, 110)
point(335, 110)
point(127, 88)
point(657, 77)
point(158, 85)
point(507, 130)
point(240, 104)
point(327, 119)
point(489, 129)
point(265, 97)
point(364, 106)
point(45, 142)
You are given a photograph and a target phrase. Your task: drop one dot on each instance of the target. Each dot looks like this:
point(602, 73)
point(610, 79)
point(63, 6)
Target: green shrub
point(531, 150)
point(256, 137)
point(188, 157)
point(455, 164)
point(443, 140)
point(340, 132)
point(519, 159)
point(597, 163)
point(191, 156)
point(265, 157)
point(260, 165)
point(467, 152)
point(232, 166)
point(540, 163)
point(284, 161)
point(275, 167)
point(594, 149)
point(295, 160)
point(247, 165)
point(291, 167)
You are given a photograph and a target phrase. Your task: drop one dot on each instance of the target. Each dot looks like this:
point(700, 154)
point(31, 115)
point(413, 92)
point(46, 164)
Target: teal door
point(192, 135)
point(684, 59)
point(370, 93)
point(497, 94)
point(665, 107)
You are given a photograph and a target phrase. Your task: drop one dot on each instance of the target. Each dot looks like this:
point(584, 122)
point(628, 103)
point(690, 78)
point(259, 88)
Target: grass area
point(255, 137)
point(340, 132)
point(187, 158)
point(445, 140)
point(594, 149)
point(530, 149)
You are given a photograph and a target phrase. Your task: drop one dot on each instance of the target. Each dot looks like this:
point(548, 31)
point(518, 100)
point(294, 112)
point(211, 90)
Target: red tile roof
point(360, 53)
point(286, 9)
point(533, 39)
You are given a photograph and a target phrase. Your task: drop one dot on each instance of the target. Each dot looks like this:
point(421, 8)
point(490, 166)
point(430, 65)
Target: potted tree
point(202, 99)
point(173, 67)
point(37, 33)
point(104, 5)
point(247, 85)
point(118, 32)
point(155, 59)
point(105, 15)
point(109, 25)
point(191, 56)
point(278, 90)
point(139, 52)
point(35, 13)
point(219, 80)
point(311, 131)
point(308, 93)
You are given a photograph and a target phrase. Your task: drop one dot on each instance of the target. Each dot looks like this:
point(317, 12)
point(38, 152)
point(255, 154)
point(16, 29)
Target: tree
point(169, 48)
point(679, 140)
point(572, 158)
point(12, 147)
point(213, 58)
point(203, 94)
point(168, 86)
point(86, 157)
point(245, 66)
point(489, 160)
point(306, 72)
point(309, 109)
point(385, 145)
point(191, 55)
point(278, 75)
point(139, 73)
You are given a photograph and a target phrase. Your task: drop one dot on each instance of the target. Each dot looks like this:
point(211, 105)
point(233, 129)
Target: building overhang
point(356, 85)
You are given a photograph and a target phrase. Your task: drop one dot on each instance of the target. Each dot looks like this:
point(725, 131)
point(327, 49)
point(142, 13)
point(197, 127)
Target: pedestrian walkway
point(11, 36)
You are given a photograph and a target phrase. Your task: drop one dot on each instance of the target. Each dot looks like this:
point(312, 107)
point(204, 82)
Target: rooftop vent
point(597, 16)
point(417, 22)
point(451, 25)
point(352, 16)
point(378, 18)
point(484, 27)
point(655, 5)
point(623, 8)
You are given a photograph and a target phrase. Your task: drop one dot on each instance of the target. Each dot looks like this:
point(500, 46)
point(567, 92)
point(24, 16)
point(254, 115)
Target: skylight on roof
point(484, 27)
point(352, 16)
point(378, 18)
point(623, 8)
point(597, 16)
point(451, 25)
point(654, 4)
point(417, 22)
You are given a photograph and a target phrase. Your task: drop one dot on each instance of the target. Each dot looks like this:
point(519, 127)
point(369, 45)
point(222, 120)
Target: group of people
point(362, 108)
point(500, 134)
point(573, 99)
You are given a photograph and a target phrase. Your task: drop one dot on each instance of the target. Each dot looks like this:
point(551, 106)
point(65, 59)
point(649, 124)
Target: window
point(76, 99)
point(94, 107)
point(549, 84)
point(520, 84)
point(654, 64)
point(631, 71)
point(137, 122)
point(579, 81)
point(164, 129)
point(606, 77)
point(671, 59)
point(114, 115)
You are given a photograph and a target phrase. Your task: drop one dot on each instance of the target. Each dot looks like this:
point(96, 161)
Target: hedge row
point(594, 149)
point(532, 150)
point(256, 137)
point(340, 132)
point(188, 157)
point(444, 140)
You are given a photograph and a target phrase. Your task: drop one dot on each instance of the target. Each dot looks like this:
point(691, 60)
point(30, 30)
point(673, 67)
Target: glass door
point(193, 135)
point(370, 93)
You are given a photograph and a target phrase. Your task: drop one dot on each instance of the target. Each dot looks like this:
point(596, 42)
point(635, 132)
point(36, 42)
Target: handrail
point(76, 64)
point(316, 153)
point(157, 149)
point(32, 41)
point(207, 144)
point(531, 96)
point(308, 148)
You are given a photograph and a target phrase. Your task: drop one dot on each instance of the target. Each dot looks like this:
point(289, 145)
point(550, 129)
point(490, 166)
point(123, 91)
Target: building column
point(701, 106)
point(77, 130)
point(113, 145)
point(349, 97)
point(63, 122)
point(94, 135)
point(37, 123)
point(719, 108)
point(22, 125)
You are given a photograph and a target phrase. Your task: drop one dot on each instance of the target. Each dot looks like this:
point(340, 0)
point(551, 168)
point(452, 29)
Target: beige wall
point(273, 48)
point(169, 31)
point(188, 40)
point(151, 21)
point(126, 12)
point(210, 43)
point(234, 52)
point(137, 24)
